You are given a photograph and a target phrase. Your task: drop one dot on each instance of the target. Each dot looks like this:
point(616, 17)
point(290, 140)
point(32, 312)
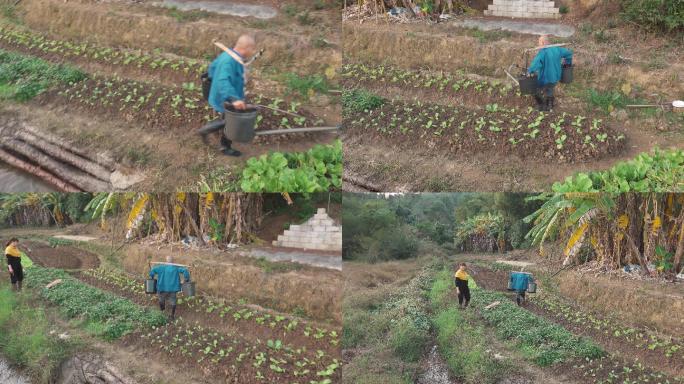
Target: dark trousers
point(216, 126)
point(520, 297)
point(18, 275)
point(544, 97)
point(463, 292)
point(171, 298)
point(546, 90)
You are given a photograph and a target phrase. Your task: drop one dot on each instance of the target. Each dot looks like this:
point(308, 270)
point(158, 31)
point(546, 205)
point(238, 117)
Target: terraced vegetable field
point(234, 341)
point(526, 132)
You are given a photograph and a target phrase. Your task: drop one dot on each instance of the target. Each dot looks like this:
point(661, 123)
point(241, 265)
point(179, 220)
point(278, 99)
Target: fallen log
point(58, 141)
point(75, 177)
point(84, 164)
point(37, 172)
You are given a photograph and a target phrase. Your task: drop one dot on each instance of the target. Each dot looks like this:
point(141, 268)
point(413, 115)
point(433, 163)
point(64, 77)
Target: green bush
point(655, 15)
point(359, 100)
point(408, 340)
point(306, 85)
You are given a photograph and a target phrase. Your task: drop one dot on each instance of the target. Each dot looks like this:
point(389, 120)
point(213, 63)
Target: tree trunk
point(637, 254)
point(37, 171)
point(77, 178)
point(101, 160)
point(680, 243)
point(85, 165)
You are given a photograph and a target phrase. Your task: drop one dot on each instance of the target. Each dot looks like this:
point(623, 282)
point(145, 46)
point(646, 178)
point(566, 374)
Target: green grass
point(25, 337)
point(75, 299)
point(305, 86)
point(24, 77)
point(543, 342)
point(187, 16)
point(609, 100)
point(408, 339)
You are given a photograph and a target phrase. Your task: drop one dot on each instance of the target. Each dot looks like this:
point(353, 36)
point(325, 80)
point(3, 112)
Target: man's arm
point(185, 273)
point(536, 65)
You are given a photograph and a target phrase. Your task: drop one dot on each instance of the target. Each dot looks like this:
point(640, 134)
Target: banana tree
point(617, 229)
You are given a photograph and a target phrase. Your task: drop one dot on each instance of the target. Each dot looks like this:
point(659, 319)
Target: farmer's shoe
point(231, 152)
point(550, 103)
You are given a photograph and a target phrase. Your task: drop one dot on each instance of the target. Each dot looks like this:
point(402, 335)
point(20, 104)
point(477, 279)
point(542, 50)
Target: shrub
point(359, 100)
point(655, 15)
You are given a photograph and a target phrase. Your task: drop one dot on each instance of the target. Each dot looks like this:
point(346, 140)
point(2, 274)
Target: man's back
point(168, 279)
point(548, 64)
point(520, 281)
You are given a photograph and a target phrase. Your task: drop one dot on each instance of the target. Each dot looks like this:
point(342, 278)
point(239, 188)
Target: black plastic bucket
point(188, 288)
point(566, 74)
point(528, 85)
point(206, 85)
point(532, 287)
point(240, 124)
point(151, 286)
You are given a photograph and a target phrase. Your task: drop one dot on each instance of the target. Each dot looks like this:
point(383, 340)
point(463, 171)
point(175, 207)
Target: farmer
point(461, 278)
point(547, 65)
point(13, 255)
point(227, 74)
point(520, 282)
point(168, 283)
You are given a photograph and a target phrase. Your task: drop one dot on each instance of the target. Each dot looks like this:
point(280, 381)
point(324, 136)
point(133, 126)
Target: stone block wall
point(319, 232)
point(539, 9)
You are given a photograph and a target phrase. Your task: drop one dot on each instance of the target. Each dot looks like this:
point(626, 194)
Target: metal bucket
point(528, 85)
point(240, 124)
point(510, 284)
point(188, 288)
point(566, 75)
point(151, 286)
point(532, 287)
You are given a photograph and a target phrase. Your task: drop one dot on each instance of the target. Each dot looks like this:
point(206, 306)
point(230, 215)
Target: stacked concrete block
point(534, 9)
point(319, 232)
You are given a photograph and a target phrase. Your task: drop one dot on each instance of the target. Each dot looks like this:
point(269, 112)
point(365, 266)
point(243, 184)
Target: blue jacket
point(548, 64)
point(168, 279)
point(227, 81)
point(520, 281)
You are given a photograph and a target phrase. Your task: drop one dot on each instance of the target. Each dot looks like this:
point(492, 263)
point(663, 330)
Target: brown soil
point(636, 303)
point(62, 256)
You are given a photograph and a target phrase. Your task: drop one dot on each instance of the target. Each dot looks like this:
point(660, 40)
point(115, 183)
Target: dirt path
point(436, 370)
point(63, 257)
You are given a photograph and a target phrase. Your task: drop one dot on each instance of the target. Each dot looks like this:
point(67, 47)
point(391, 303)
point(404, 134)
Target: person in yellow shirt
point(461, 278)
point(13, 255)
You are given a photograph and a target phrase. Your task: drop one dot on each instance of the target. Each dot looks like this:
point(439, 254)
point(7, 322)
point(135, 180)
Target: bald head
point(169, 259)
point(245, 46)
point(543, 40)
